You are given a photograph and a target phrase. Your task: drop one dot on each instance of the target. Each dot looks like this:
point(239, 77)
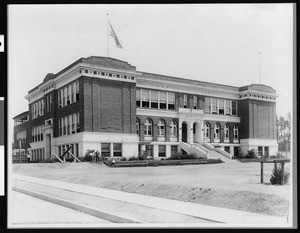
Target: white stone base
point(251, 143)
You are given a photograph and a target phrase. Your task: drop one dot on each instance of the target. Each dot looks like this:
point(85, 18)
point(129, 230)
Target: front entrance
point(48, 145)
point(184, 132)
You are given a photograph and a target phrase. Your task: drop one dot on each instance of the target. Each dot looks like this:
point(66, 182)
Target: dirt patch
point(233, 186)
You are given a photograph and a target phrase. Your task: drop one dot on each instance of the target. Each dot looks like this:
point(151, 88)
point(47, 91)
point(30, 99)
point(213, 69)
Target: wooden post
point(261, 172)
point(282, 172)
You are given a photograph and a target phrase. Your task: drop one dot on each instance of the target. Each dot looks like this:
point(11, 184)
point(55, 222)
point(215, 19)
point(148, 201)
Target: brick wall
point(258, 119)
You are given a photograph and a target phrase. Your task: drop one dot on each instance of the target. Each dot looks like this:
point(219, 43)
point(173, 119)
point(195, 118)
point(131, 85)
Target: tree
point(284, 127)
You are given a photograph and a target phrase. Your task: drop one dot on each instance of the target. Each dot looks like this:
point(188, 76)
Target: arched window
point(217, 131)
point(173, 129)
point(137, 127)
point(148, 127)
point(235, 132)
point(206, 130)
point(161, 128)
point(226, 132)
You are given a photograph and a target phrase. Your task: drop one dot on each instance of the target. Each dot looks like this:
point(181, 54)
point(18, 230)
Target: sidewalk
point(210, 215)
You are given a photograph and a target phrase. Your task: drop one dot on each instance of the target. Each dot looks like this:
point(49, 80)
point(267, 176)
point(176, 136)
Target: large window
point(149, 150)
point(185, 100)
point(234, 108)
point(227, 107)
point(161, 150)
point(148, 127)
point(145, 98)
point(206, 130)
point(221, 106)
point(226, 132)
point(161, 128)
point(117, 149)
point(68, 94)
point(217, 131)
point(162, 100)
point(173, 129)
point(266, 151)
point(195, 102)
point(37, 133)
point(154, 99)
point(207, 105)
point(235, 132)
point(171, 100)
point(138, 98)
point(214, 105)
point(105, 149)
point(68, 125)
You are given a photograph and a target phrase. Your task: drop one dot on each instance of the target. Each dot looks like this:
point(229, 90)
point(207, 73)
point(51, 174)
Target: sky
point(217, 43)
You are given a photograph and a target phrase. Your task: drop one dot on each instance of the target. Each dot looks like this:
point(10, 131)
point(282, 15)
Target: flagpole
point(107, 36)
point(259, 67)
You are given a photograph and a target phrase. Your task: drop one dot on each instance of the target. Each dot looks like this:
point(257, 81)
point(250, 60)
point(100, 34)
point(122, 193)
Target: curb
point(88, 210)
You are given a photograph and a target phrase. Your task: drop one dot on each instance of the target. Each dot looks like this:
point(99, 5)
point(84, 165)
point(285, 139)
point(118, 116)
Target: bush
point(133, 158)
point(88, 156)
point(123, 159)
point(179, 155)
point(276, 176)
point(251, 154)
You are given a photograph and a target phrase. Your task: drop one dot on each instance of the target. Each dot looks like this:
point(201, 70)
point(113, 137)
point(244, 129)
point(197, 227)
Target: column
point(189, 132)
point(111, 150)
point(200, 135)
point(180, 131)
point(168, 151)
point(155, 151)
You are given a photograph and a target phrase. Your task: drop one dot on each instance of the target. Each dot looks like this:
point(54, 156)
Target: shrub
point(88, 155)
point(133, 158)
point(251, 154)
point(123, 159)
point(276, 176)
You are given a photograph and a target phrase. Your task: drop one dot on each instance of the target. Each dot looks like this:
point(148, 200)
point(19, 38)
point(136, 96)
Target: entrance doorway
point(184, 132)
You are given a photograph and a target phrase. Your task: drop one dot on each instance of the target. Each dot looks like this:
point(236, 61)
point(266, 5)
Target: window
point(185, 100)
point(260, 150)
point(235, 132)
point(117, 149)
point(137, 127)
point(148, 127)
point(171, 100)
point(217, 131)
point(73, 123)
point(162, 100)
point(73, 92)
point(206, 130)
point(234, 108)
point(76, 150)
point(51, 104)
point(138, 98)
point(149, 150)
point(78, 123)
point(145, 98)
point(226, 132)
point(154, 99)
point(59, 99)
point(173, 129)
point(174, 149)
point(77, 91)
point(65, 125)
point(161, 151)
point(214, 105)
point(227, 107)
point(60, 126)
point(65, 97)
point(105, 149)
point(70, 125)
point(161, 128)
point(69, 94)
point(266, 151)
point(42, 127)
point(221, 106)
point(59, 151)
point(195, 102)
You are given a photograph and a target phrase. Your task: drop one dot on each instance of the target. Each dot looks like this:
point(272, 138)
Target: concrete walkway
point(186, 212)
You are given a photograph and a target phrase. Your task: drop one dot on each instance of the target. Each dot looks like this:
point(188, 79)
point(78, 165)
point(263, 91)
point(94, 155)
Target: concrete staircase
point(193, 149)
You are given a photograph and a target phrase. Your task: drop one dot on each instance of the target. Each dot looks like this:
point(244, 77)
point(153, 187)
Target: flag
point(113, 34)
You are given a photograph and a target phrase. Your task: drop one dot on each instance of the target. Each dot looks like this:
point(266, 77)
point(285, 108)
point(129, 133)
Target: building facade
point(104, 104)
